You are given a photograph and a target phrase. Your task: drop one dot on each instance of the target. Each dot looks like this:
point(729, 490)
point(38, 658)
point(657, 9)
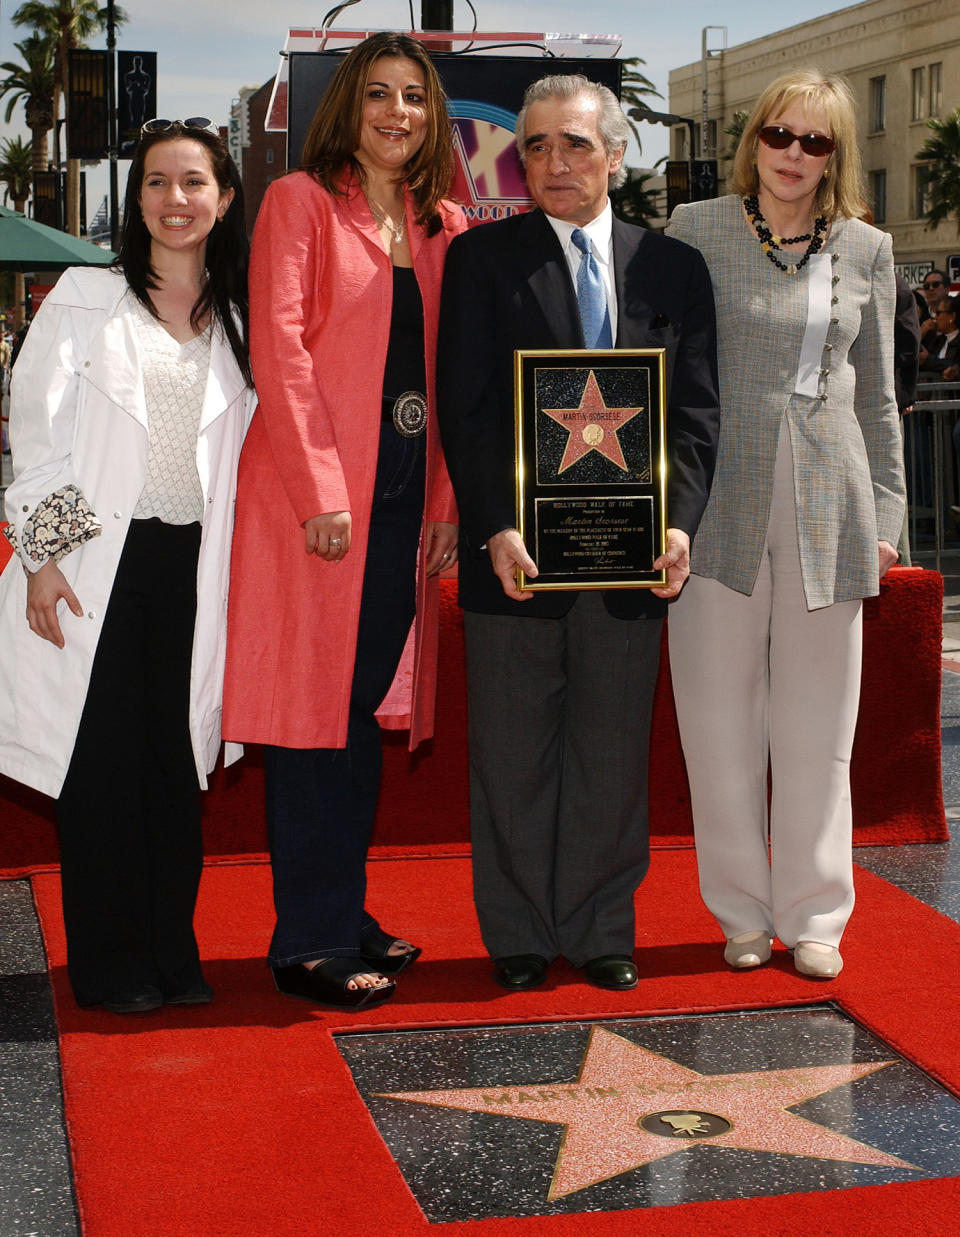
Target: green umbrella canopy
point(26, 245)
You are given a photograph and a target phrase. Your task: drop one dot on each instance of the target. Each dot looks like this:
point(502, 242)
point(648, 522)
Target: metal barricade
point(933, 481)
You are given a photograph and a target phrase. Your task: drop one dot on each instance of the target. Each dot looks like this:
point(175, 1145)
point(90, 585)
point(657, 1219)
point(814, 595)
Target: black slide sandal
point(374, 944)
point(326, 984)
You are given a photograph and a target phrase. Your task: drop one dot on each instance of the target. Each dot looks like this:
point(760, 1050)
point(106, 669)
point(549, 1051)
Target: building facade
point(902, 59)
point(261, 156)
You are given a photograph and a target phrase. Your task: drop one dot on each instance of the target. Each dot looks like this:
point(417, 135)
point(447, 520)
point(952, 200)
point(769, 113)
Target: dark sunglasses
point(779, 138)
point(202, 124)
point(937, 283)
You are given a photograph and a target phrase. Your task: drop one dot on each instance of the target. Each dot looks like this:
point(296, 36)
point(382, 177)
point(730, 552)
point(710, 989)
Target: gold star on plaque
point(592, 427)
point(629, 1107)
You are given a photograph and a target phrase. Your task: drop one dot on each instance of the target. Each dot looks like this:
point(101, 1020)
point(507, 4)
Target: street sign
point(913, 272)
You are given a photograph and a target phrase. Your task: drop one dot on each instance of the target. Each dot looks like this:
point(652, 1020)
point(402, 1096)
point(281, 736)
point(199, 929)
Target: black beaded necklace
point(771, 244)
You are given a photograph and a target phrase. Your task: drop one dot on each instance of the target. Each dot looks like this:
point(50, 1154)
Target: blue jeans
point(321, 802)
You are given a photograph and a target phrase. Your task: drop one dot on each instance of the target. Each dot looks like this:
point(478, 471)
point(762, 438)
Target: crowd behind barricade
point(932, 433)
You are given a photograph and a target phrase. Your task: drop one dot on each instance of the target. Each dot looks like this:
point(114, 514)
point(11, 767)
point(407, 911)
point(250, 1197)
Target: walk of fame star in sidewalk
point(641, 1112)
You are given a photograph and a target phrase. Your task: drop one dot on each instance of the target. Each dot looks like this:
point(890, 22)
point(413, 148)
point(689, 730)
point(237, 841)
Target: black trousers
point(129, 812)
point(321, 802)
point(560, 712)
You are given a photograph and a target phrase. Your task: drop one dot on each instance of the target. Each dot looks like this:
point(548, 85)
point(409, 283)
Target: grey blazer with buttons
point(847, 450)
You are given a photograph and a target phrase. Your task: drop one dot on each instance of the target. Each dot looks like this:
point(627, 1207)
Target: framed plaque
point(591, 466)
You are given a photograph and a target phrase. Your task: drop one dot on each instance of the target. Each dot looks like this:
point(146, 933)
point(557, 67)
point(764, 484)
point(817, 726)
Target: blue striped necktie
point(592, 296)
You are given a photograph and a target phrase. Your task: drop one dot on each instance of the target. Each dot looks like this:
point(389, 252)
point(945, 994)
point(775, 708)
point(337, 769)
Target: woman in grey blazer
point(806, 507)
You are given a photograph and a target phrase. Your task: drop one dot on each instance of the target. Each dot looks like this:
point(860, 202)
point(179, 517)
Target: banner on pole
point(136, 97)
point(88, 92)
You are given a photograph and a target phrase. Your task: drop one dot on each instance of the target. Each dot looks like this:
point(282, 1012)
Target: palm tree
point(16, 172)
point(633, 201)
point(634, 87)
point(941, 154)
point(734, 131)
point(69, 23)
point(32, 84)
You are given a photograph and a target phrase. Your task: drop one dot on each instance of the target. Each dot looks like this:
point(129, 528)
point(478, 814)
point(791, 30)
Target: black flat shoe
point(518, 972)
point(199, 994)
point(614, 971)
point(375, 945)
point(326, 984)
point(135, 1001)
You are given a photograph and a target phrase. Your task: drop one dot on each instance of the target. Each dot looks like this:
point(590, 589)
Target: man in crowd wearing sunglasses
point(935, 291)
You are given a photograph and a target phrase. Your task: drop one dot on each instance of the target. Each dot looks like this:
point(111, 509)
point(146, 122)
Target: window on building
point(918, 93)
point(878, 104)
point(878, 195)
point(936, 89)
point(921, 202)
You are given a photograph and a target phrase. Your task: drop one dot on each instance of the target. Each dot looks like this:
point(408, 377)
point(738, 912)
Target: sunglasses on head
point(779, 138)
point(202, 124)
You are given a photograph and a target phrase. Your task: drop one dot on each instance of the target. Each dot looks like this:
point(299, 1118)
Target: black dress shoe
point(520, 971)
point(134, 1001)
point(199, 994)
point(614, 971)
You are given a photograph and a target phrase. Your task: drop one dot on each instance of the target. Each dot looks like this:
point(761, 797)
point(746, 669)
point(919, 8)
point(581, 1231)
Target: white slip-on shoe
point(747, 949)
point(817, 960)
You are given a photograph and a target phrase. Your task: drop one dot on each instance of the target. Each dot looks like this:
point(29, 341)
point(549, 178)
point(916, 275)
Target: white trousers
point(760, 683)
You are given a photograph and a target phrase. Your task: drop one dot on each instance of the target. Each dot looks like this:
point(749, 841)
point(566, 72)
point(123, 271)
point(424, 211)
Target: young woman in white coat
point(130, 401)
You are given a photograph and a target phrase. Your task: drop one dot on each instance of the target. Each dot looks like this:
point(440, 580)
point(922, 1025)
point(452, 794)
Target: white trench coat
point(78, 417)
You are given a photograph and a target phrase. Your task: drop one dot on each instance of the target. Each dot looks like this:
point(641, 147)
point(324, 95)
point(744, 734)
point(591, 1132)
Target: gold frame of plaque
point(591, 476)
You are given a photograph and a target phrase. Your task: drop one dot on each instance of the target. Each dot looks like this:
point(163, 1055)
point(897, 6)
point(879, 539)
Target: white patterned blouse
point(174, 382)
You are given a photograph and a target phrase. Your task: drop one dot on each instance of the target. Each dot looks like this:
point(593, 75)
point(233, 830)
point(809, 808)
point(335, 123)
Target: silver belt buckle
point(410, 414)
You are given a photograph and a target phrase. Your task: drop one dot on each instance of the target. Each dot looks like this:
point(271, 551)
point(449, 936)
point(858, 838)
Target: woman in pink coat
point(345, 513)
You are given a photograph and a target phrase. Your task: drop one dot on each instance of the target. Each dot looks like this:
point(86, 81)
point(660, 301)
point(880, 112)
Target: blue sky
point(208, 49)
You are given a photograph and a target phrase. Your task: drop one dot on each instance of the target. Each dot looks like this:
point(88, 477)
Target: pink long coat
point(321, 286)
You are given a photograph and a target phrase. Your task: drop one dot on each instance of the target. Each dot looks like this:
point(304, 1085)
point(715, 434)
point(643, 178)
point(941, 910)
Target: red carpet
point(240, 1119)
point(897, 795)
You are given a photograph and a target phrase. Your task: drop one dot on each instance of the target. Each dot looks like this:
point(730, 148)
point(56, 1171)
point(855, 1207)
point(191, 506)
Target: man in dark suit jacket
point(561, 684)
point(906, 365)
point(906, 347)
